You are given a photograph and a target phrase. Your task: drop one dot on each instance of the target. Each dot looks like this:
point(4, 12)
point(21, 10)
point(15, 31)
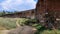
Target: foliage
point(5, 12)
point(22, 21)
point(43, 30)
point(27, 21)
point(50, 32)
point(1, 13)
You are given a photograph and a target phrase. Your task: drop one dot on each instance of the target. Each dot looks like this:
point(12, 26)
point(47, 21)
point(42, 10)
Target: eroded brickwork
point(45, 6)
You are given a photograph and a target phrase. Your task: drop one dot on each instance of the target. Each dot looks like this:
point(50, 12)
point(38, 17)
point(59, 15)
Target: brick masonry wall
point(51, 6)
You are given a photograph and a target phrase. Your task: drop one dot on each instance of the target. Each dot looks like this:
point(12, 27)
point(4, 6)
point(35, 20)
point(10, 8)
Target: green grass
point(47, 31)
point(9, 23)
point(43, 30)
point(50, 32)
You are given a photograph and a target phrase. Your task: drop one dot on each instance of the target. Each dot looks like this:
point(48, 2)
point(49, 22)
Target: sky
point(17, 5)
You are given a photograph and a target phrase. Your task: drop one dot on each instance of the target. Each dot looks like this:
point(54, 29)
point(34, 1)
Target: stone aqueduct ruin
point(21, 14)
point(47, 11)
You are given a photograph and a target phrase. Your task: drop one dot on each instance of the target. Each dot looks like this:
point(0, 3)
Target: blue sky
point(17, 5)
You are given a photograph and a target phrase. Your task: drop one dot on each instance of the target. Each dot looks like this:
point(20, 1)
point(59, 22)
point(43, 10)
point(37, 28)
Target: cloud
point(18, 5)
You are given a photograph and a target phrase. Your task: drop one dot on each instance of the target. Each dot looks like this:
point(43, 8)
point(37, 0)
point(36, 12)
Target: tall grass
point(9, 23)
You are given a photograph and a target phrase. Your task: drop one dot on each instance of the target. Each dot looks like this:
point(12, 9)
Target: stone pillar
point(40, 11)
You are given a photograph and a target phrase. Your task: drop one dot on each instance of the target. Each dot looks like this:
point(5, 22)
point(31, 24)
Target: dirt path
point(21, 29)
point(4, 31)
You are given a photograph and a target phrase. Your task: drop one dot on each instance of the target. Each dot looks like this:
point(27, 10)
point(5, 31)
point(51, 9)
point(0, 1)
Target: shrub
point(27, 21)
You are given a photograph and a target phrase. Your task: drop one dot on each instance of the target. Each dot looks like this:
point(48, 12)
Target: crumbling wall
point(48, 7)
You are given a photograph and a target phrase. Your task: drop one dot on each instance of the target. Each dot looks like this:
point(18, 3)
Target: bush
point(27, 21)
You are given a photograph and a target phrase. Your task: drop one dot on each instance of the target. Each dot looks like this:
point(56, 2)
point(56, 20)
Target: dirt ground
point(4, 31)
point(19, 30)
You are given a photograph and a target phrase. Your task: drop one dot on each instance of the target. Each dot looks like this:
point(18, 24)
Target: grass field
point(9, 23)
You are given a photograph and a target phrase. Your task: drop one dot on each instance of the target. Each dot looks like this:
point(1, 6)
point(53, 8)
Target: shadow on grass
point(40, 30)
